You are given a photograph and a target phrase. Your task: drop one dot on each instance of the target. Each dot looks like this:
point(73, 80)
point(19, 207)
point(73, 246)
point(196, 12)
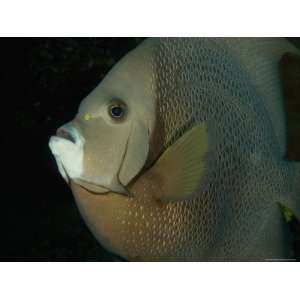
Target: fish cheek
point(103, 151)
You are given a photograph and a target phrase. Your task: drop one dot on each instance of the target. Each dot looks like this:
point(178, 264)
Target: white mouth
point(68, 155)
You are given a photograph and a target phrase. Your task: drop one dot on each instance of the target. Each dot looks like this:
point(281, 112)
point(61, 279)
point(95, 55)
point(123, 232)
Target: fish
point(180, 152)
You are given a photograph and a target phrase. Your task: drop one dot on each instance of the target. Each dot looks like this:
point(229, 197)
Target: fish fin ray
point(181, 166)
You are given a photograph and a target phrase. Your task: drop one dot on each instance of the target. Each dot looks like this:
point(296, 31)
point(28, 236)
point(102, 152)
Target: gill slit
point(122, 162)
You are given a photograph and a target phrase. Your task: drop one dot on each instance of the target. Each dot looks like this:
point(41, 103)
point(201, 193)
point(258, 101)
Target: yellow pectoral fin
point(288, 214)
point(181, 166)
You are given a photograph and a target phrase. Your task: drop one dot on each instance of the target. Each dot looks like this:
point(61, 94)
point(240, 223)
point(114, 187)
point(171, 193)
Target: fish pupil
point(117, 111)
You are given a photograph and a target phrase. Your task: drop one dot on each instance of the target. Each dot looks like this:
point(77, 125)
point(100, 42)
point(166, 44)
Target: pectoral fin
point(290, 77)
point(181, 166)
point(287, 213)
point(293, 223)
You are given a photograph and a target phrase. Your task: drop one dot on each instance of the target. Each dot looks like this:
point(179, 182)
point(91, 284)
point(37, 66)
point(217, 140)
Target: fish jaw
point(68, 154)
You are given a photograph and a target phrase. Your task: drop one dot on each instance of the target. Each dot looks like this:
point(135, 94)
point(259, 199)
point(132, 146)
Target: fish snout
point(67, 148)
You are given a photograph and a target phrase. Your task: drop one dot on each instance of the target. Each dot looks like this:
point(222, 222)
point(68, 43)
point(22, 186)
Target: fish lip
point(59, 147)
point(69, 133)
point(55, 138)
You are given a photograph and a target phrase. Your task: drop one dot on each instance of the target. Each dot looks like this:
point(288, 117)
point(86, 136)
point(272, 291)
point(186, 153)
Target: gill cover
point(137, 149)
point(113, 154)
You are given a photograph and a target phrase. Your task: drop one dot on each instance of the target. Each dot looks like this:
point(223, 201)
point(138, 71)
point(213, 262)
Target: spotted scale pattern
point(234, 210)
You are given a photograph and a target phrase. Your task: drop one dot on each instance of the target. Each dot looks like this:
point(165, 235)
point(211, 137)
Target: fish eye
point(117, 110)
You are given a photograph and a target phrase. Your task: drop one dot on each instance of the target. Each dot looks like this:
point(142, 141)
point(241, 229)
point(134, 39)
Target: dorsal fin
point(290, 77)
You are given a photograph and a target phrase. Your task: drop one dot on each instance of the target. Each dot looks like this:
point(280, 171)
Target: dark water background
point(48, 78)
point(53, 76)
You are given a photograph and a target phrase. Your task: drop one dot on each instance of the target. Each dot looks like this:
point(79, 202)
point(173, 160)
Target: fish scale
point(245, 93)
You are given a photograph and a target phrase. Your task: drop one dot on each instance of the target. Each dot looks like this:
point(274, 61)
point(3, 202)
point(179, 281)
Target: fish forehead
point(130, 80)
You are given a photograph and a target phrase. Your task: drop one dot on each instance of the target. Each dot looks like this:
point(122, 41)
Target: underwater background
point(53, 76)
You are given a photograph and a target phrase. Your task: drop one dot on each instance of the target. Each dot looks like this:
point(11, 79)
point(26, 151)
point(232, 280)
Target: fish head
point(107, 143)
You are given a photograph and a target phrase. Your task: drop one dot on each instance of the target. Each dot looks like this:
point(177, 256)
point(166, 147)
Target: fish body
point(196, 168)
